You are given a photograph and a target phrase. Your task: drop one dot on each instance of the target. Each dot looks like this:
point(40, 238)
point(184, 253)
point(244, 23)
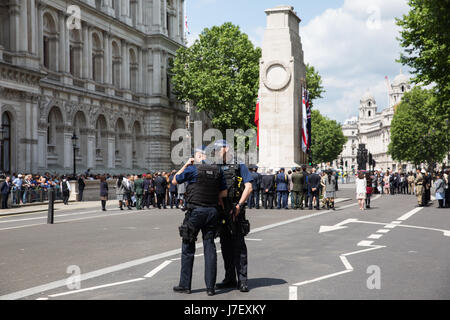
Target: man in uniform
point(206, 186)
point(234, 250)
point(418, 182)
point(282, 189)
point(298, 180)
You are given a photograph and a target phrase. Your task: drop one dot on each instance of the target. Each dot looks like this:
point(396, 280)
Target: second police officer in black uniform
point(234, 250)
point(206, 186)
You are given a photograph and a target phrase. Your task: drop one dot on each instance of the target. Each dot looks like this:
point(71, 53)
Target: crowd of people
point(392, 183)
point(305, 189)
point(271, 190)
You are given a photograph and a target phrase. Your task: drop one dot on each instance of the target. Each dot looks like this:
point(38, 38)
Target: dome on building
point(367, 96)
point(400, 79)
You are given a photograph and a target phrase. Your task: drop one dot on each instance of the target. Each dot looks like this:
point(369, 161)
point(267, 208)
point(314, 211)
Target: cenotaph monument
point(282, 75)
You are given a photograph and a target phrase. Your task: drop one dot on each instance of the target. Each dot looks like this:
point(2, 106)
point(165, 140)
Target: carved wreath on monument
point(276, 75)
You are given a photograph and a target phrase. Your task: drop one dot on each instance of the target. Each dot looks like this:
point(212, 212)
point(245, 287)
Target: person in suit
point(173, 191)
point(282, 189)
point(256, 185)
point(268, 188)
point(5, 189)
point(139, 190)
point(145, 185)
point(160, 188)
point(81, 185)
point(313, 189)
point(103, 192)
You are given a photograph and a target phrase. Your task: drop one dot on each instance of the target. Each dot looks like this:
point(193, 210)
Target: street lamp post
point(74, 144)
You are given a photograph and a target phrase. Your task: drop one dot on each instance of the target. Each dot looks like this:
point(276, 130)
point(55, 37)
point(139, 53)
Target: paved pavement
point(392, 251)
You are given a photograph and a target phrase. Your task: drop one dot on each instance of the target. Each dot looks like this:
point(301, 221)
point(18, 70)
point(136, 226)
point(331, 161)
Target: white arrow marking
point(158, 268)
point(338, 226)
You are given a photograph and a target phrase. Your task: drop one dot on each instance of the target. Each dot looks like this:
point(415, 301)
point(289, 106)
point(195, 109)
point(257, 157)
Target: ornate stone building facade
point(372, 128)
point(106, 81)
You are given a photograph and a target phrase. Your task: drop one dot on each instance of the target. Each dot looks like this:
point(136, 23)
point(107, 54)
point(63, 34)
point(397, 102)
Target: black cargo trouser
point(204, 219)
point(234, 253)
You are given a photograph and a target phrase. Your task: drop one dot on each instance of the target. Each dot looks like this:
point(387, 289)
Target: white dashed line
point(365, 243)
point(375, 236)
point(383, 231)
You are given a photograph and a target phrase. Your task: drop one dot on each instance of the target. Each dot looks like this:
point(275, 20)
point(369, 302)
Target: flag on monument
point(257, 121)
point(304, 122)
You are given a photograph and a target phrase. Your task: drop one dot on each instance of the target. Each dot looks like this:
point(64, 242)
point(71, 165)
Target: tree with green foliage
point(418, 134)
point(219, 74)
point(425, 38)
point(327, 138)
point(314, 84)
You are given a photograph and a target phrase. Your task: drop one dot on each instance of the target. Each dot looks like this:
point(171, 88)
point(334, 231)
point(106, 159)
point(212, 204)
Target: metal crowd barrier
point(31, 195)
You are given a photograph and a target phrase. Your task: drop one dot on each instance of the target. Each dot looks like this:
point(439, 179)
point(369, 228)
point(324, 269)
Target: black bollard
point(51, 207)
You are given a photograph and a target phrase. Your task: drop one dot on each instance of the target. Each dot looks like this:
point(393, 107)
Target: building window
point(370, 113)
point(46, 53)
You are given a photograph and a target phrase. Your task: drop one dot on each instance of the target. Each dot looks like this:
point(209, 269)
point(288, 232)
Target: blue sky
point(351, 42)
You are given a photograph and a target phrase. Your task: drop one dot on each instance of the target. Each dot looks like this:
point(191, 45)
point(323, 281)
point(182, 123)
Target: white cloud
point(353, 48)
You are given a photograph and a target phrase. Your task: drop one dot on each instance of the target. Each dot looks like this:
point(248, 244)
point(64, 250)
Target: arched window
point(133, 71)
point(5, 133)
point(55, 137)
point(116, 64)
point(136, 147)
point(75, 53)
point(49, 42)
point(119, 141)
point(79, 127)
point(101, 141)
point(97, 58)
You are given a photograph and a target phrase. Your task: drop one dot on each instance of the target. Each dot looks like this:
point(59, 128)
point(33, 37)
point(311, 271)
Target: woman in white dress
point(361, 185)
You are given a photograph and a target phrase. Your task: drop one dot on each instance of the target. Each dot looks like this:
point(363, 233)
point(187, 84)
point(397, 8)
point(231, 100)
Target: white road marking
point(446, 232)
point(55, 216)
point(338, 226)
point(409, 214)
point(390, 226)
point(293, 293)
point(364, 243)
point(95, 288)
point(64, 221)
point(42, 299)
point(251, 239)
point(133, 263)
point(348, 267)
point(397, 222)
point(158, 268)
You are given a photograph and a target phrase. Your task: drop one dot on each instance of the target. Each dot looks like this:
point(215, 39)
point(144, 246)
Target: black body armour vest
point(234, 181)
point(205, 191)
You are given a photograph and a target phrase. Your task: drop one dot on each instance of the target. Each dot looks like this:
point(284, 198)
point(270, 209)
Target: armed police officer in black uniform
point(206, 186)
point(234, 250)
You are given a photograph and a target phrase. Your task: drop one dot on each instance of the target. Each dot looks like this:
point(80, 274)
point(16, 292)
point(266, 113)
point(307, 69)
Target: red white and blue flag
point(305, 115)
